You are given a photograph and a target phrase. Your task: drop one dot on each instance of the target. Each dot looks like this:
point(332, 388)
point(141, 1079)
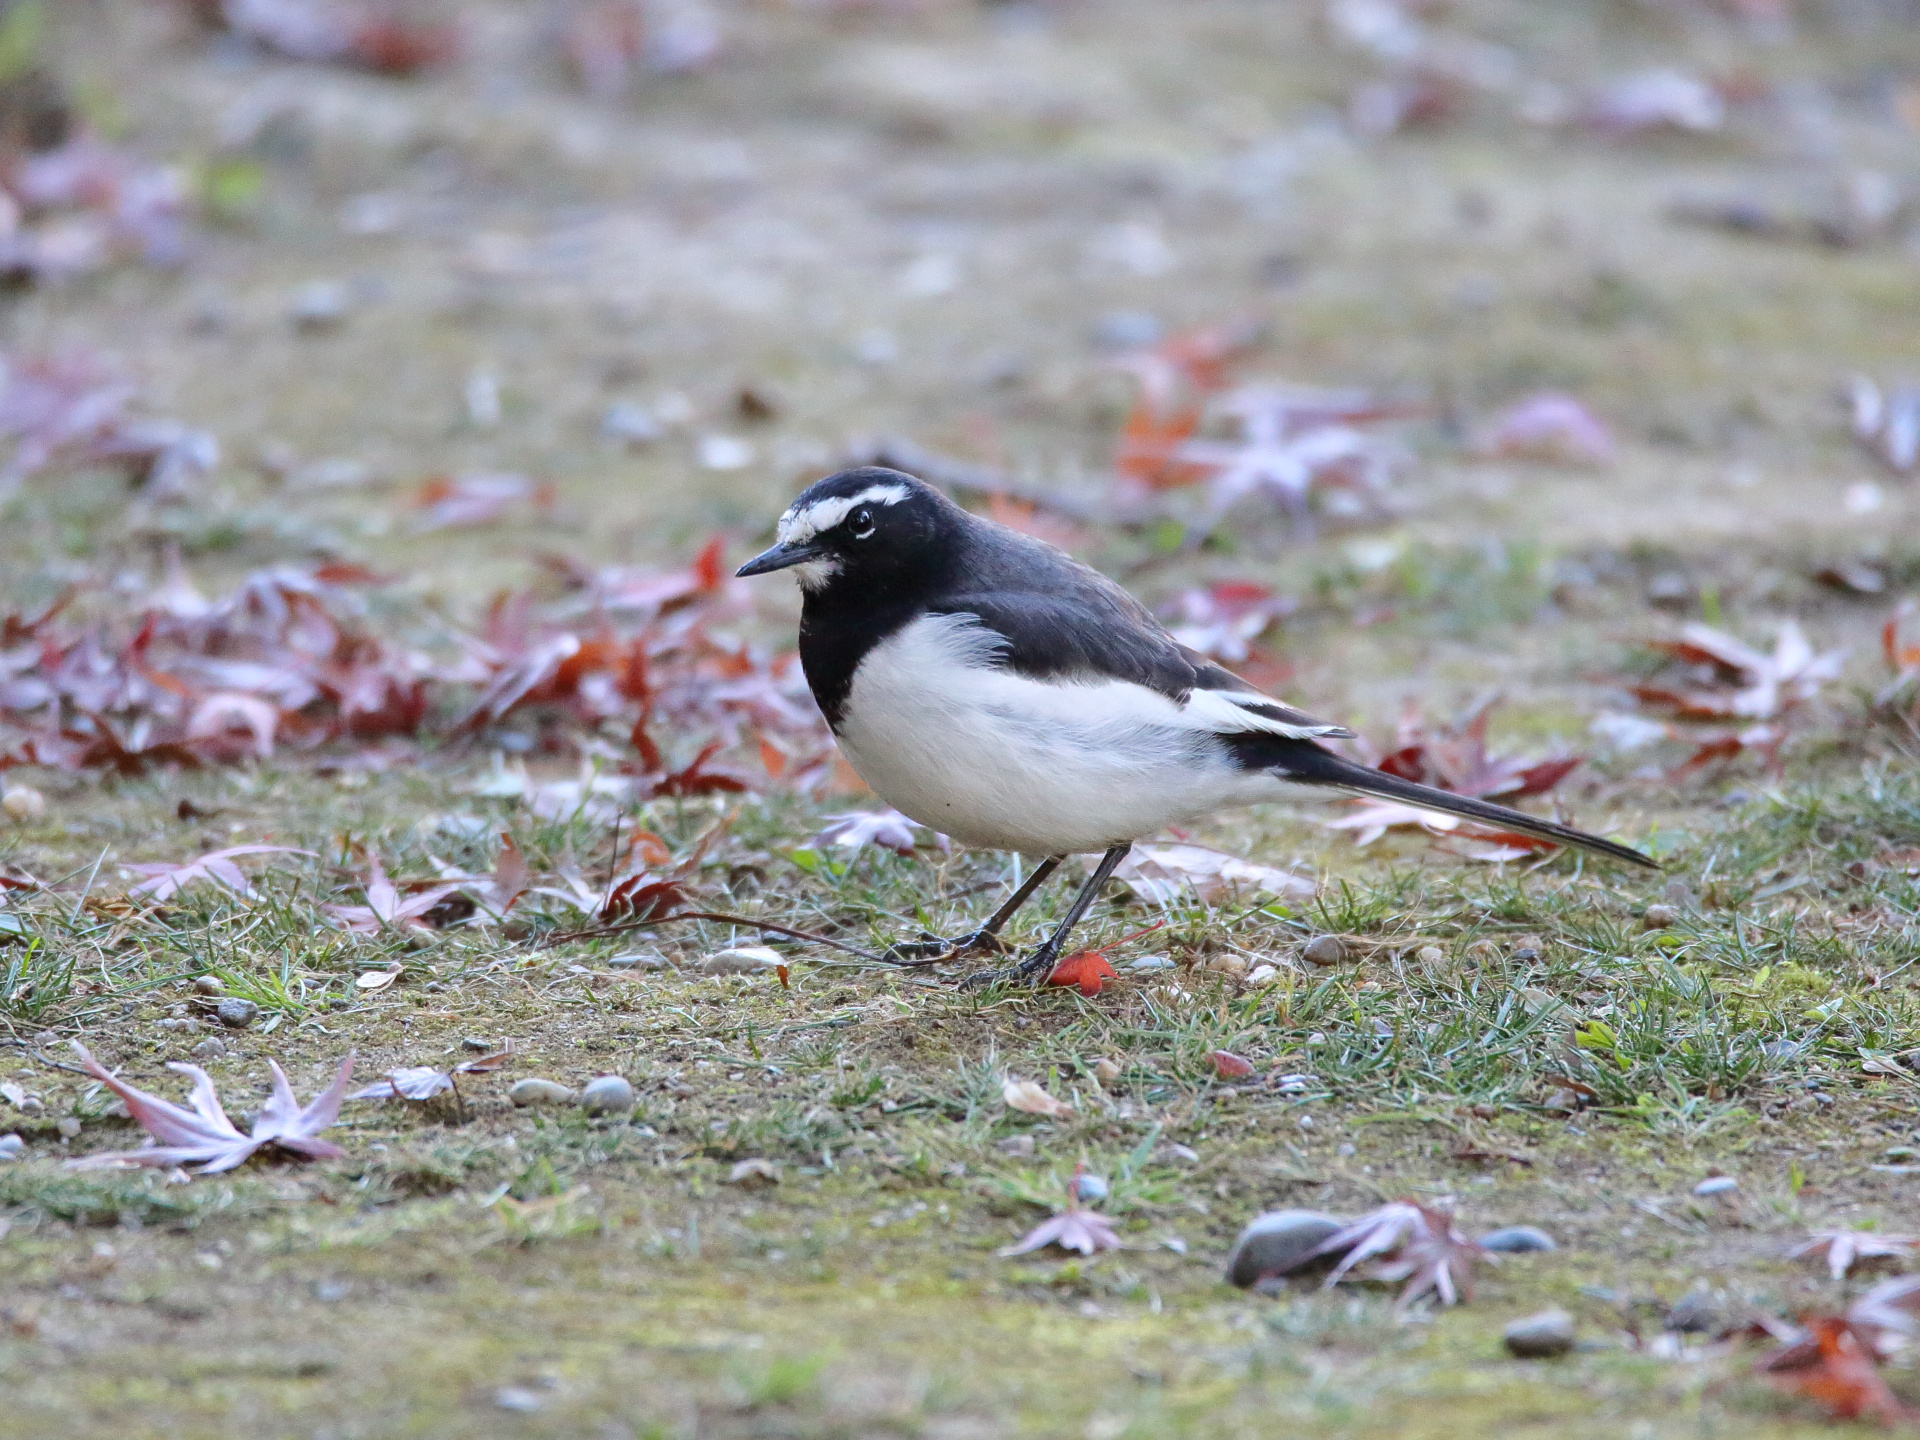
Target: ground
point(937, 222)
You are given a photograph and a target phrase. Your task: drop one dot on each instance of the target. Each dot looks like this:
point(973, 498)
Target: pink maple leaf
point(166, 879)
point(384, 906)
point(856, 829)
point(1085, 1231)
point(1405, 1240)
point(203, 1135)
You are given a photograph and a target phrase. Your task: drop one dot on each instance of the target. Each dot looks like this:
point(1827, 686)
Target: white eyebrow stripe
point(798, 526)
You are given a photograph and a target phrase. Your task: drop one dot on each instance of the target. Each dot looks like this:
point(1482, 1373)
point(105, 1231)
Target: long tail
point(1305, 763)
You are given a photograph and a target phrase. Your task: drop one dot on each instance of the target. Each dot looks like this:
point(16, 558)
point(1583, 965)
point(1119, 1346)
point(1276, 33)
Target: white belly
point(997, 760)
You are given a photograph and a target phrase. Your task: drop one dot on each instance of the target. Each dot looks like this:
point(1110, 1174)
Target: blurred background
point(1385, 345)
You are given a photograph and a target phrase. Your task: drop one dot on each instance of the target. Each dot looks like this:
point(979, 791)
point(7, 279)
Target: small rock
point(23, 804)
point(535, 1091)
point(319, 305)
point(12, 1147)
point(1173, 1150)
point(1659, 917)
point(516, 1398)
point(1517, 1240)
point(329, 1292)
point(1232, 966)
point(1541, 1336)
point(1695, 1313)
point(1090, 1189)
point(1430, 955)
point(211, 1048)
point(236, 1014)
point(1020, 1147)
point(607, 1095)
point(1146, 964)
point(176, 1023)
point(1325, 950)
point(640, 960)
point(1105, 1071)
point(753, 1174)
point(208, 985)
point(631, 424)
point(1716, 1185)
point(478, 1044)
point(741, 960)
point(1277, 1243)
point(1561, 1102)
point(68, 1127)
point(1126, 330)
point(1263, 975)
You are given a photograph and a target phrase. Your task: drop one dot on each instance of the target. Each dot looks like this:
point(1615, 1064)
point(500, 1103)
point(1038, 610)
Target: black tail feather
point(1304, 763)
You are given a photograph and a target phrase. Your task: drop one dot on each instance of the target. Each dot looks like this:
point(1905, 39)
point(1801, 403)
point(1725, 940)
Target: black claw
point(933, 947)
point(1031, 969)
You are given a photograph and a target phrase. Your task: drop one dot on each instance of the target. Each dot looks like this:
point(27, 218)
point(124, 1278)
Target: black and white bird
point(995, 689)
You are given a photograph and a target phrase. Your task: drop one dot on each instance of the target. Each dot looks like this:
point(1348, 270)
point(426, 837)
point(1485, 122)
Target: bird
point(991, 687)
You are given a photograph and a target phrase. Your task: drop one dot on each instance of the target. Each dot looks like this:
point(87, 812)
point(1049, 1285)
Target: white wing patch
point(1229, 711)
point(801, 523)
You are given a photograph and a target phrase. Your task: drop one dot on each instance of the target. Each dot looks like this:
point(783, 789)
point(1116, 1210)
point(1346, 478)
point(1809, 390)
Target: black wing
point(1101, 632)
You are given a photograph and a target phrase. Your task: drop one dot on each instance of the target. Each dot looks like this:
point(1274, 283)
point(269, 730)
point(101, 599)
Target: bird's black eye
point(861, 523)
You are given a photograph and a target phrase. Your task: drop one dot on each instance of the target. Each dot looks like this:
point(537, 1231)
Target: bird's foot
point(1035, 968)
point(934, 947)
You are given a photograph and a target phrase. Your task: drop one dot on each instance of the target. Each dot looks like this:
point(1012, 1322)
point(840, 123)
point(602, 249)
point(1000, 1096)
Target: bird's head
point(868, 524)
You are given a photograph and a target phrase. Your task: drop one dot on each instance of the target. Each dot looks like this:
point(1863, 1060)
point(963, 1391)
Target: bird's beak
point(779, 558)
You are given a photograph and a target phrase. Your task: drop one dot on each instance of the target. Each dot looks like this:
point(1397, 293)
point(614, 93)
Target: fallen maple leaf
point(1084, 1231)
point(1026, 1095)
point(457, 501)
point(1088, 969)
point(1554, 428)
point(165, 880)
point(855, 829)
point(384, 907)
point(423, 1082)
point(1836, 1366)
point(1842, 1249)
point(1404, 1240)
point(205, 1136)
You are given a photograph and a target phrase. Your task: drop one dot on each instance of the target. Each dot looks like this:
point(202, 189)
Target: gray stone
point(236, 1014)
point(211, 1048)
point(1716, 1185)
point(517, 1399)
point(208, 985)
point(1325, 950)
point(1277, 1243)
point(1695, 1313)
point(1090, 1189)
point(1659, 917)
point(1517, 1240)
point(607, 1095)
point(1541, 1336)
point(1020, 1147)
point(478, 1044)
point(175, 1022)
point(741, 960)
point(535, 1091)
point(12, 1147)
point(640, 960)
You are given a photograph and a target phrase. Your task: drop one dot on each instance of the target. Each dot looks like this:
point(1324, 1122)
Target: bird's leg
point(1043, 959)
point(987, 937)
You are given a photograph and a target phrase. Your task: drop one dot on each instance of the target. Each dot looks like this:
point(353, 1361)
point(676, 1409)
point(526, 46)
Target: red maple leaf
point(1087, 969)
point(1837, 1367)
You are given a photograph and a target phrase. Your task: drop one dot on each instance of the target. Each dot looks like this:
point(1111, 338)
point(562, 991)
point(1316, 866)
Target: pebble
point(640, 960)
point(1263, 975)
point(1430, 955)
point(1105, 1071)
point(208, 985)
point(1276, 1242)
point(741, 960)
point(211, 1048)
point(476, 1043)
point(1517, 1240)
point(753, 1174)
point(517, 1399)
point(176, 1023)
point(535, 1091)
point(1659, 917)
point(1541, 1336)
point(1695, 1313)
point(1325, 950)
point(68, 1127)
point(1149, 963)
point(319, 305)
point(23, 804)
point(1020, 1147)
point(607, 1095)
point(1716, 1185)
point(236, 1014)
point(12, 1147)
point(631, 424)
point(1090, 1189)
